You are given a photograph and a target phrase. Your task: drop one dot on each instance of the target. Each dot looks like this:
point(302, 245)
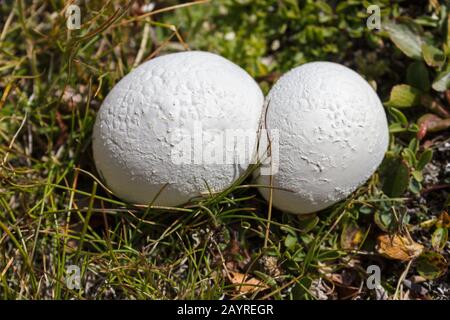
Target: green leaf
point(323, 6)
point(414, 128)
point(289, 230)
point(300, 290)
point(439, 238)
point(417, 175)
point(404, 96)
point(365, 209)
point(308, 222)
point(298, 255)
point(427, 21)
point(266, 278)
point(394, 175)
point(399, 116)
point(413, 145)
point(406, 39)
point(442, 81)
point(424, 158)
point(290, 241)
point(383, 219)
point(329, 255)
point(396, 127)
point(409, 157)
point(433, 56)
point(417, 76)
point(415, 186)
point(431, 265)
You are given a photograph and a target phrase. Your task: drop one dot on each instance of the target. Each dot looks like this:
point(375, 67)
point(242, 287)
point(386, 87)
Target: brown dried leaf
point(351, 237)
point(444, 220)
point(245, 284)
point(398, 247)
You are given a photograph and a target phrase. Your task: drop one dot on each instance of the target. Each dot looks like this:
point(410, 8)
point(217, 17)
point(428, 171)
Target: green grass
point(55, 212)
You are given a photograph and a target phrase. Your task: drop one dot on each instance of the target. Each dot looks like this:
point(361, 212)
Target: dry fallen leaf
point(398, 247)
point(245, 284)
point(351, 237)
point(444, 220)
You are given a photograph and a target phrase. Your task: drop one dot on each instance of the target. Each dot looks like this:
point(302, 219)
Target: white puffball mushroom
point(333, 135)
point(176, 101)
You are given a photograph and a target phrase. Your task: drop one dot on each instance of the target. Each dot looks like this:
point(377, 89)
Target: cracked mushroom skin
point(159, 106)
point(333, 134)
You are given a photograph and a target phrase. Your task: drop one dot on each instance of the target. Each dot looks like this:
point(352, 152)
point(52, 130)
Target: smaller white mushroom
point(333, 134)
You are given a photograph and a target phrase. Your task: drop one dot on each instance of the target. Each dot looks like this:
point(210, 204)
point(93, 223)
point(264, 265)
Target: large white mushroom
point(333, 134)
point(162, 128)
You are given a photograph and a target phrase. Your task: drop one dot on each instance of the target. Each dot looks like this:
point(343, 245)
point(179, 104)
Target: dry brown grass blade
point(166, 9)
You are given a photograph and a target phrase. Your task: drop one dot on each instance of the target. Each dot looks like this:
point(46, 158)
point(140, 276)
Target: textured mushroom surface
point(333, 135)
point(142, 119)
